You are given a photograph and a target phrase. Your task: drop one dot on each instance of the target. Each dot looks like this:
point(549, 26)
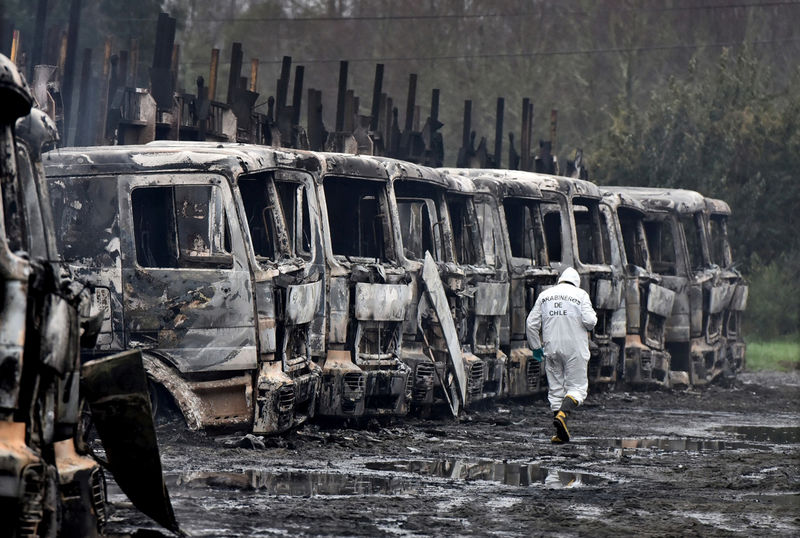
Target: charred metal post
point(283, 90)
point(161, 79)
point(498, 134)
point(15, 47)
point(341, 97)
point(282, 115)
point(102, 98)
point(68, 73)
point(376, 98)
point(134, 74)
point(253, 74)
point(38, 37)
point(235, 72)
point(316, 128)
point(122, 71)
point(212, 77)
point(523, 141)
point(83, 135)
point(553, 129)
point(466, 151)
point(297, 96)
point(410, 103)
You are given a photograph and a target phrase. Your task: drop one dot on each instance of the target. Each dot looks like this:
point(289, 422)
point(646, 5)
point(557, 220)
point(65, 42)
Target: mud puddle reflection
point(773, 434)
point(676, 445)
point(510, 474)
point(300, 483)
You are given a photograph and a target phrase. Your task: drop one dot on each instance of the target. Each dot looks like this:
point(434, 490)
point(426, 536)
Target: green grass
point(780, 354)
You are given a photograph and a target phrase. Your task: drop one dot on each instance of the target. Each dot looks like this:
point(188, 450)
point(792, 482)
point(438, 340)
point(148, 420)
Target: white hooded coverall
point(564, 315)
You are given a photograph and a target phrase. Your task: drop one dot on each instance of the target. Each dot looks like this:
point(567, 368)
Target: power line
point(468, 16)
point(573, 52)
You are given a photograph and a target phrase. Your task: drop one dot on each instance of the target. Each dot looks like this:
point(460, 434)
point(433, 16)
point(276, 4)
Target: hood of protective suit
point(570, 275)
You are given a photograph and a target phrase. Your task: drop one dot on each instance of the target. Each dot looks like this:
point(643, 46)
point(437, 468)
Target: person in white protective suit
point(558, 328)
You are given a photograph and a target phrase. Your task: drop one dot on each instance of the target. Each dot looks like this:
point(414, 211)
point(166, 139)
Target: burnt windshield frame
point(661, 230)
point(277, 209)
point(467, 242)
point(359, 224)
point(592, 242)
point(415, 192)
point(86, 214)
point(634, 238)
point(193, 231)
point(530, 244)
point(693, 233)
point(719, 244)
point(491, 230)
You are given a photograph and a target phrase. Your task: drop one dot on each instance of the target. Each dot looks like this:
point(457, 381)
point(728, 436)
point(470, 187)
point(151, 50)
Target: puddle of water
point(510, 474)
point(692, 445)
point(774, 434)
point(291, 483)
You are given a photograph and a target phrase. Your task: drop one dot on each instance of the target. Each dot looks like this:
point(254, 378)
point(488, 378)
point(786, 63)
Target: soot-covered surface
point(714, 462)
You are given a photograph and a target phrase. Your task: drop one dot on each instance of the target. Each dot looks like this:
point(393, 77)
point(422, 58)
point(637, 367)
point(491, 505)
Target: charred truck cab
point(368, 291)
point(457, 320)
point(40, 470)
point(648, 304)
point(578, 234)
point(512, 226)
point(161, 232)
point(48, 483)
point(676, 235)
point(717, 213)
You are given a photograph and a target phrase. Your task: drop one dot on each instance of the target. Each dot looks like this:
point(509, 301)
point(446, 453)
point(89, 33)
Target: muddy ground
point(710, 462)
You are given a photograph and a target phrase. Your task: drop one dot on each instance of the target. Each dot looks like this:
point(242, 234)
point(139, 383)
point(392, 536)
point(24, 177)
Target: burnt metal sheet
point(339, 310)
point(381, 302)
point(116, 389)
point(739, 299)
point(430, 275)
point(660, 300)
point(719, 297)
point(302, 301)
point(608, 294)
point(491, 298)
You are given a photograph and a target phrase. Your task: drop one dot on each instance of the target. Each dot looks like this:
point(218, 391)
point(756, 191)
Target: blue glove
point(538, 355)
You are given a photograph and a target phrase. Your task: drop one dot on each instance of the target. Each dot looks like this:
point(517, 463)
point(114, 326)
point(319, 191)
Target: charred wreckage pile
point(255, 285)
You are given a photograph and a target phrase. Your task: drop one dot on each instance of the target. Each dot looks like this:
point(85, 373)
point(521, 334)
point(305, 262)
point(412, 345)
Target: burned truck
point(676, 231)
point(48, 483)
point(577, 234)
point(452, 330)
point(367, 291)
point(161, 233)
point(648, 305)
point(511, 220)
point(717, 214)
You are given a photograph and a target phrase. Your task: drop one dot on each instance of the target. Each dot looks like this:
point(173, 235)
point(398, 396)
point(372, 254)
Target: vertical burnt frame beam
point(341, 96)
point(297, 96)
point(314, 120)
point(282, 92)
point(467, 124)
point(411, 102)
point(68, 75)
point(525, 143)
point(236, 71)
point(212, 75)
point(435, 105)
point(83, 132)
point(498, 133)
point(161, 76)
point(377, 88)
point(38, 37)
